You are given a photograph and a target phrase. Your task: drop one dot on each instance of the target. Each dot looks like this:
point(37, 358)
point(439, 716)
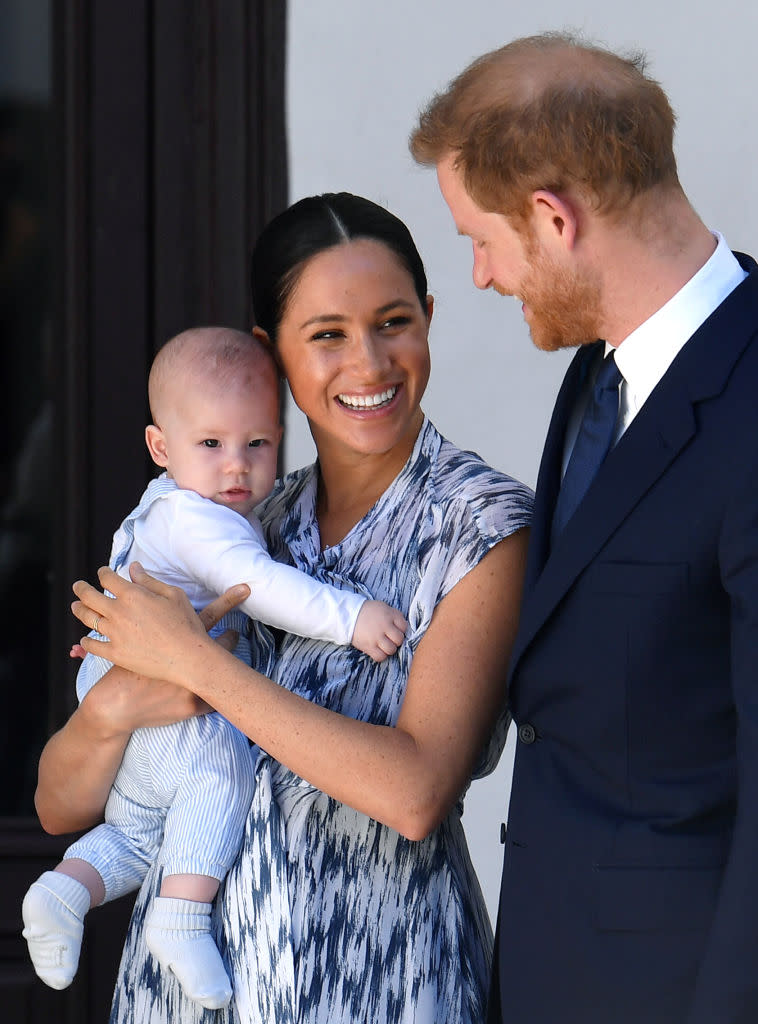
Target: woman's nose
point(370, 352)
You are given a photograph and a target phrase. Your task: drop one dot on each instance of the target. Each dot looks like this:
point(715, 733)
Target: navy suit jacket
point(630, 882)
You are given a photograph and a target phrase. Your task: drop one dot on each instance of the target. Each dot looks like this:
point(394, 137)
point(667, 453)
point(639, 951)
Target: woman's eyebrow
point(323, 318)
point(393, 305)
point(328, 318)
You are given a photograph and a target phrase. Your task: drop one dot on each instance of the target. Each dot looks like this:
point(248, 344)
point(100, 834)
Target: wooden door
point(141, 150)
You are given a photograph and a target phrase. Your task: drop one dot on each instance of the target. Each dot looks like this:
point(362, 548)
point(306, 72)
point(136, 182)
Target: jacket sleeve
point(727, 985)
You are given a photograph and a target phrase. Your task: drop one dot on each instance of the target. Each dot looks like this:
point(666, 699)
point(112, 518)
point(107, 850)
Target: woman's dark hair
point(307, 228)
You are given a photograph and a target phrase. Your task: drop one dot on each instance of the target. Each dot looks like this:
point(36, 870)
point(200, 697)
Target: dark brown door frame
point(176, 112)
point(170, 156)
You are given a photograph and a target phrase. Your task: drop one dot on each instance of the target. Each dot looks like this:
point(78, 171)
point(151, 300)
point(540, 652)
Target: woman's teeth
point(368, 401)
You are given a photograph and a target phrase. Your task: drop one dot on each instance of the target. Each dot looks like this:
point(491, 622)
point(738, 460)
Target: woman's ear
point(156, 445)
point(263, 338)
point(429, 309)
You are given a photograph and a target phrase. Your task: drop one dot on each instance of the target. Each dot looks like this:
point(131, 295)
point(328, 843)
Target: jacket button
point(502, 832)
point(527, 733)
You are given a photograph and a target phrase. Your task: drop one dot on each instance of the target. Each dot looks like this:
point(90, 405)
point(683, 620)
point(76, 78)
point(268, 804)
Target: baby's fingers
point(396, 633)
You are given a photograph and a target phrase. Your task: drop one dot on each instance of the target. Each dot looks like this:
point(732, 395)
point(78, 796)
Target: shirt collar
point(648, 351)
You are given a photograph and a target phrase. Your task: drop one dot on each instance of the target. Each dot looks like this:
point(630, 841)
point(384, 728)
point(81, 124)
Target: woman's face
point(353, 346)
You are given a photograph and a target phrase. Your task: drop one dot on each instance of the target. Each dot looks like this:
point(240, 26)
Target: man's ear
point(554, 218)
point(156, 445)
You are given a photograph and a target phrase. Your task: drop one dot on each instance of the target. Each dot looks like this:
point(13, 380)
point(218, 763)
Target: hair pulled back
point(309, 227)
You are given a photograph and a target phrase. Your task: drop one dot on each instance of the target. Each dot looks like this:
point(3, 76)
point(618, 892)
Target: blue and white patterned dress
point(328, 916)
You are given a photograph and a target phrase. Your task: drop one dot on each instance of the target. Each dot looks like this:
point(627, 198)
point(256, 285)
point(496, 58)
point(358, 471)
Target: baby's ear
point(156, 445)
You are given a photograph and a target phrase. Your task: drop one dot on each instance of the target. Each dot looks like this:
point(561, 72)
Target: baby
point(183, 791)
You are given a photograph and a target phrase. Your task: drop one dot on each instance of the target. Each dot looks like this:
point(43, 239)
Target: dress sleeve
point(484, 507)
point(218, 547)
point(494, 510)
point(456, 536)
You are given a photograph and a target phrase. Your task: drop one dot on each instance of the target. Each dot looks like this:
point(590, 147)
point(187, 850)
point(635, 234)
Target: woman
point(353, 898)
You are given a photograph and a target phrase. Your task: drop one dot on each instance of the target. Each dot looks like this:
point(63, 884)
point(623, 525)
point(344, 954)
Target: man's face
point(561, 306)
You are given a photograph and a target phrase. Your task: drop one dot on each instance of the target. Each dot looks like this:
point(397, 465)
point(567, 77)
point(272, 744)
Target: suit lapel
point(664, 425)
point(549, 477)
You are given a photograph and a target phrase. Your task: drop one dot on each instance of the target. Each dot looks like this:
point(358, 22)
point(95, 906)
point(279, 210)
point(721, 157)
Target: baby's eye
point(256, 443)
point(211, 442)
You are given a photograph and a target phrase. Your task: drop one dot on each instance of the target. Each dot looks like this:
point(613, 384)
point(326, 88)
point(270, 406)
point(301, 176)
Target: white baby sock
point(178, 934)
point(53, 912)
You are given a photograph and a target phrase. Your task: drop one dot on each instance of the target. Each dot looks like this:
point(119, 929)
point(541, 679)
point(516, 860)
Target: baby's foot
point(178, 934)
point(53, 912)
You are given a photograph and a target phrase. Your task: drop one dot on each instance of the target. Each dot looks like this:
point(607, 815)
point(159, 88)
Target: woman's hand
point(79, 763)
point(151, 627)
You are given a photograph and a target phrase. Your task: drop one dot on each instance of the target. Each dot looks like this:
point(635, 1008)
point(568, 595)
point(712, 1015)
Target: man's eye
point(210, 442)
point(256, 443)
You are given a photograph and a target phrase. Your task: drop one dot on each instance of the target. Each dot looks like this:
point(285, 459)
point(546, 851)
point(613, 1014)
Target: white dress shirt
point(644, 355)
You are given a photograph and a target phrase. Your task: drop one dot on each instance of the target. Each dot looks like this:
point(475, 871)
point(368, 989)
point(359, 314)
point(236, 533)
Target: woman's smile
point(371, 402)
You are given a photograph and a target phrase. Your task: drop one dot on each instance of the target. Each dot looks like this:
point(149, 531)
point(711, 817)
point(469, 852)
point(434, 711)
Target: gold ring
point(94, 628)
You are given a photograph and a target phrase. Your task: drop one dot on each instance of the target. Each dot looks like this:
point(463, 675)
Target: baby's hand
point(379, 630)
point(77, 651)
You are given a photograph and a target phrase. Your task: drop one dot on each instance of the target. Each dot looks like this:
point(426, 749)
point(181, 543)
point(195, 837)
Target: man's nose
point(480, 272)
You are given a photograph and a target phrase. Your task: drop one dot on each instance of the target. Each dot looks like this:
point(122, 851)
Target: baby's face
point(223, 444)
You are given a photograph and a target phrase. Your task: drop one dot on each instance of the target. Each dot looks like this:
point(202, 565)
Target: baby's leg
point(53, 912)
point(202, 834)
point(178, 934)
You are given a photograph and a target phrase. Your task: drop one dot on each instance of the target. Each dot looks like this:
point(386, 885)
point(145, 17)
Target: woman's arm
point(80, 761)
point(408, 776)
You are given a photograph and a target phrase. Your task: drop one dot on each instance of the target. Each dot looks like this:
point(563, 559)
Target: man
point(630, 883)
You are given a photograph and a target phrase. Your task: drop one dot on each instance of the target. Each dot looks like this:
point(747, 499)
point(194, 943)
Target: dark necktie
point(592, 443)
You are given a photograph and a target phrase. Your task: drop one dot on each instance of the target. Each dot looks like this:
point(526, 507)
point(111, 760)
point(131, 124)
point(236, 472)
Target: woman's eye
point(326, 335)
point(256, 443)
point(395, 322)
point(211, 442)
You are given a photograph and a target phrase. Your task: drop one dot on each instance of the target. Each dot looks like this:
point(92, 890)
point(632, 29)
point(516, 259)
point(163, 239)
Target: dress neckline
point(299, 528)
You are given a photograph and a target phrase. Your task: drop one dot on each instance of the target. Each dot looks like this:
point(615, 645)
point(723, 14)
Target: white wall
point(357, 74)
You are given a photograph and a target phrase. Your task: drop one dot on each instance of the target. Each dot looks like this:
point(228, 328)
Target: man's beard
point(564, 310)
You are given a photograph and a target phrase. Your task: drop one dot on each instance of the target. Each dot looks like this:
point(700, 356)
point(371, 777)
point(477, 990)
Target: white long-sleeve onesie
point(183, 791)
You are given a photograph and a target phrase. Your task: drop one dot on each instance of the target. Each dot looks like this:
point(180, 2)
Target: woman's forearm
point(80, 762)
point(407, 776)
point(375, 769)
point(76, 771)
